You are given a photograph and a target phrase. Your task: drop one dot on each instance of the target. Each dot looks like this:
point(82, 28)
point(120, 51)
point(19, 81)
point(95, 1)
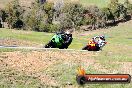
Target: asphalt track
point(35, 48)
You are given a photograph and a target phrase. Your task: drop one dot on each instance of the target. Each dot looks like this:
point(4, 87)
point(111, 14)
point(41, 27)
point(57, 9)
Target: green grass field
point(37, 37)
point(116, 56)
point(100, 3)
point(117, 51)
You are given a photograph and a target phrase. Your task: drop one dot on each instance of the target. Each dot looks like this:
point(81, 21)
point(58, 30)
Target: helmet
point(67, 32)
point(102, 37)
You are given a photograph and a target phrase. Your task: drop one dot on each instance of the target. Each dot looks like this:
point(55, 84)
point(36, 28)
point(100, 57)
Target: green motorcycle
point(60, 40)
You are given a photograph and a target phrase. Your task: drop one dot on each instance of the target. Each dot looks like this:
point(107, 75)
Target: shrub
point(14, 12)
point(54, 27)
point(48, 27)
point(43, 16)
point(48, 8)
point(74, 13)
point(128, 5)
point(66, 22)
point(3, 15)
point(39, 17)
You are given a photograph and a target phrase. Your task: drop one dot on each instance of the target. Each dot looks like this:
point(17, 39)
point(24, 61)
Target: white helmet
point(102, 37)
point(67, 32)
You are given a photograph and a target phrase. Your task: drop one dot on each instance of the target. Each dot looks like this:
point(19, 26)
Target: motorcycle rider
point(60, 40)
point(100, 40)
point(67, 39)
point(95, 44)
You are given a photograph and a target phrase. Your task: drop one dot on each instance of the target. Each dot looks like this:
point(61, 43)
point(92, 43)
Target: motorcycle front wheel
point(85, 47)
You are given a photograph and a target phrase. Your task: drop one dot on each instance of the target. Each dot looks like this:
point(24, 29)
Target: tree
point(118, 10)
point(40, 17)
point(58, 5)
point(3, 16)
point(14, 12)
point(128, 5)
point(122, 12)
point(108, 14)
point(48, 9)
point(74, 13)
point(114, 8)
point(114, 1)
point(96, 17)
point(32, 17)
point(65, 22)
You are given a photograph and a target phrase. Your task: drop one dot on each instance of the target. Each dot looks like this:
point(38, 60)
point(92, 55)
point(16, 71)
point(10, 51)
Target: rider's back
point(57, 39)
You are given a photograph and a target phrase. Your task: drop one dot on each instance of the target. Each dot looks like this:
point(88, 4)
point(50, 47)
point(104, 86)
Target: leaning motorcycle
point(61, 41)
point(94, 46)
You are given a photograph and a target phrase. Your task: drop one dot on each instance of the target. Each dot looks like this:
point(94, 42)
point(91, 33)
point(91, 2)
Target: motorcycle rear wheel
point(49, 45)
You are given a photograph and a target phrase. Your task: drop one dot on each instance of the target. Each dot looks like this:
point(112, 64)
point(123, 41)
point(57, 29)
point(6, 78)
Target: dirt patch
point(26, 3)
point(16, 42)
point(98, 67)
point(25, 61)
point(126, 67)
point(33, 62)
point(21, 32)
point(36, 61)
point(120, 67)
point(47, 80)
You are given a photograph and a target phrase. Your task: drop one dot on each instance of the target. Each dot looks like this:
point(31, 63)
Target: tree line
point(46, 16)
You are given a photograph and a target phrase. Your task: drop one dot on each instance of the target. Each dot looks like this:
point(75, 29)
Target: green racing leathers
point(57, 40)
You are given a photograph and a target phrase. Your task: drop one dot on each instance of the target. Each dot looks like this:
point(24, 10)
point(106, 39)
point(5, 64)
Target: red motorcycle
point(94, 46)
